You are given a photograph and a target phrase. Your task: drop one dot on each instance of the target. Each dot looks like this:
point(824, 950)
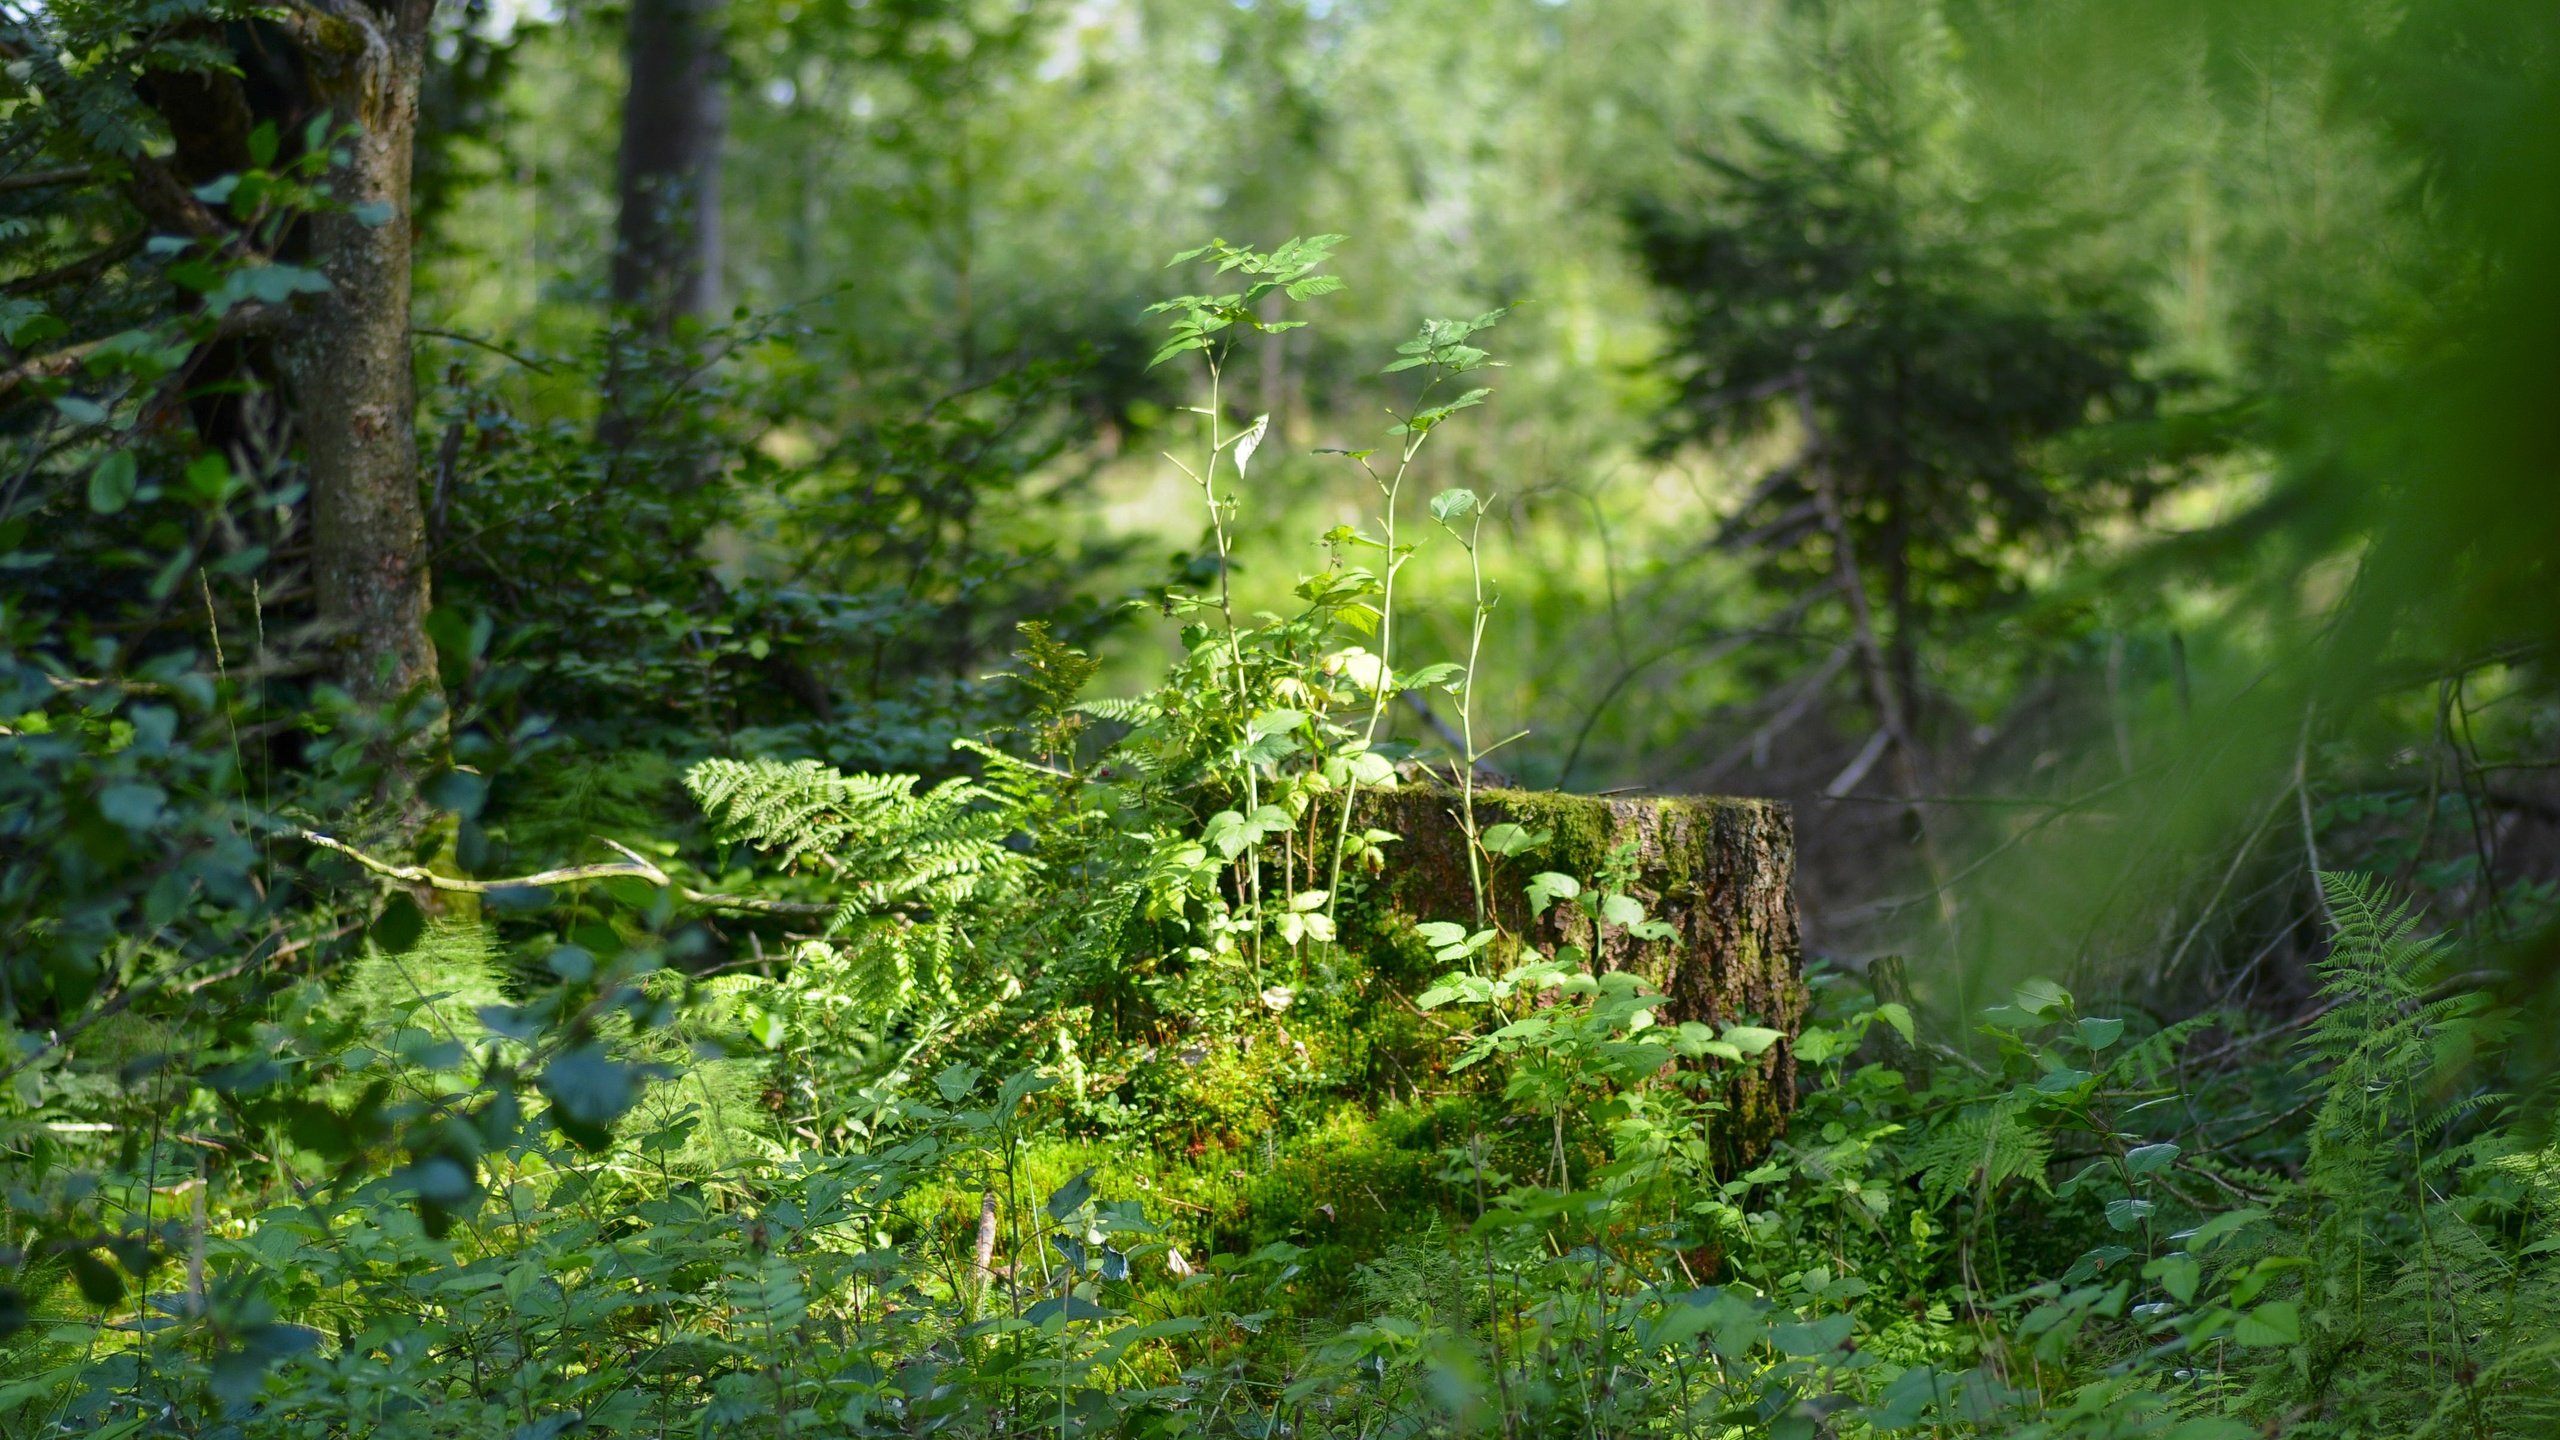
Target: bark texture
point(1720, 871)
point(675, 116)
point(346, 356)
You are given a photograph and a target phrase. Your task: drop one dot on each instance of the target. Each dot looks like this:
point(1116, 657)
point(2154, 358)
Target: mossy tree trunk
point(1719, 871)
point(346, 355)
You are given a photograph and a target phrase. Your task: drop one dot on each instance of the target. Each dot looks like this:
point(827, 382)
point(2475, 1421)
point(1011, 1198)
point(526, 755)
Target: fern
point(713, 1099)
point(894, 849)
point(1131, 711)
point(2423, 1312)
point(918, 871)
point(437, 985)
point(1979, 1151)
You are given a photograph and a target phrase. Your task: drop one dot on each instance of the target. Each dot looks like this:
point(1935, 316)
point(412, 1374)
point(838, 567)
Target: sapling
point(1442, 346)
point(1210, 325)
point(1449, 507)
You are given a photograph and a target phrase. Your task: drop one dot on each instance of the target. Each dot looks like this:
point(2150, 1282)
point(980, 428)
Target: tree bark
point(675, 117)
point(1720, 871)
point(346, 356)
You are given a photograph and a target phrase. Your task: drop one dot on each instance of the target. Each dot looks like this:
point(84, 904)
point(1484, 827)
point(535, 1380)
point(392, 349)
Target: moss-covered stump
point(1719, 871)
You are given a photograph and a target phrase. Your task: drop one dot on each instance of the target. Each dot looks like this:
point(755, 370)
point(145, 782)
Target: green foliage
point(1034, 1086)
point(899, 851)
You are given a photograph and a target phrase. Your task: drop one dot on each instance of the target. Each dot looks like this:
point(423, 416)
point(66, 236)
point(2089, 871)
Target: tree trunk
point(666, 250)
point(1720, 871)
point(675, 115)
point(346, 358)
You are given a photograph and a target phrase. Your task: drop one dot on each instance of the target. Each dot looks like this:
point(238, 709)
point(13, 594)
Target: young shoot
point(1443, 350)
point(1450, 507)
point(1211, 325)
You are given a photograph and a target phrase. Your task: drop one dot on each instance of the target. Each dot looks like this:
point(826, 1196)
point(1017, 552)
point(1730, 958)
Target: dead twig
point(633, 866)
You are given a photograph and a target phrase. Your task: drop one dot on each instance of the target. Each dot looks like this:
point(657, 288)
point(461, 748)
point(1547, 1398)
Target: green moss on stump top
point(1719, 871)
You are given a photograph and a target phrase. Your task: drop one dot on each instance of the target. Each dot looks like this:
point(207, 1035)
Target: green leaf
point(2177, 1274)
point(2062, 1082)
point(1818, 1337)
point(276, 284)
point(1453, 505)
point(133, 806)
point(208, 476)
point(26, 324)
point(2230, 1222)
point(1905, 1401)
point(2099, 1034)
point(100, 1285)
point(1067, 1199)
point(397, 929)
point(1509, 839)
point(1752, 1039)
point(457, 790)
point(111, 484)
point(1897, 1015)
point(1624, 910)
point(1547, 887)
point(2128, 1213)
point(2146, 1159)
point(1275, 722)
point(2276, 1322)
point(1064, 1308)
point(2042, 997)
point(589, 1090)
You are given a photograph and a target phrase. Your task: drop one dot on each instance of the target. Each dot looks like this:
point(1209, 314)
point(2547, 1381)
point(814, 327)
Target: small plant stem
point(1391, 488)
point(1235, 659)
point(1478, 1155)
point(1467, 714)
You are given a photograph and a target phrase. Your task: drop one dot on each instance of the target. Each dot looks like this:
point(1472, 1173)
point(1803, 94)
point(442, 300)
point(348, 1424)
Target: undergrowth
point(1058, 1099)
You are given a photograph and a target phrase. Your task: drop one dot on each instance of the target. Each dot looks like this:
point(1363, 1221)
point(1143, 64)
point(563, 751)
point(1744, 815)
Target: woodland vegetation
point(1846, 727)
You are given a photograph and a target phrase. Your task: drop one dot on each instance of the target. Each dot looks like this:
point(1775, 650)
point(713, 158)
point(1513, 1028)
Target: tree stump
point(1719, 871)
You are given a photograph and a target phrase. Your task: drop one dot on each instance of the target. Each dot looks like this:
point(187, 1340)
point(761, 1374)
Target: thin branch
point(39, 179)
point(492, 346)
point(80, 271)
point(1859, 764)
point(633, 866)
point(1891, 904)
point(1805, 693)
point(247, 320)
point(2302, 798)
point(1722, 646)
point(2214, 902)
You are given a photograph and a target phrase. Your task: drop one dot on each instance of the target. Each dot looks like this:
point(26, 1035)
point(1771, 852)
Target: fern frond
point(1979, 1150)
point(895, 848)
point(1134, 710)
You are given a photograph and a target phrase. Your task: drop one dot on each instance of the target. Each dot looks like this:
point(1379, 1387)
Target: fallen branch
point(633, 866)
point(42, 179)
point(53, 365)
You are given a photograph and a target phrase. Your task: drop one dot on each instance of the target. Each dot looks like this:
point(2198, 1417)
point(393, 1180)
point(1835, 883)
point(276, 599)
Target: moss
point(1346, 1186)
point(1718, 870)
